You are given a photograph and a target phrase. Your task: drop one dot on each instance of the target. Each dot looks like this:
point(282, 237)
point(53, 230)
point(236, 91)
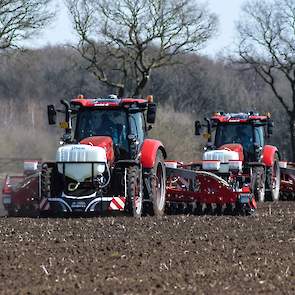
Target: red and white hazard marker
point(44, 205)
point(117, 203)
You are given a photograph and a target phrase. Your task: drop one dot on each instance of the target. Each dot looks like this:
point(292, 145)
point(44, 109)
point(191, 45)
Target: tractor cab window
point(235, 133)
point(137, 126)
point(102, 122)
point(73, 124)
point(259, 135)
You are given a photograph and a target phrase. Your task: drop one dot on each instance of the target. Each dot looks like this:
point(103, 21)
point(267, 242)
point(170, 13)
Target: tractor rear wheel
point(158, 185)
point(258, 183)
point(134, 192)
point(273, 180)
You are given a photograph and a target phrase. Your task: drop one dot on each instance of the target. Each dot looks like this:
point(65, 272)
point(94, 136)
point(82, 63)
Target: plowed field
point(172, 255)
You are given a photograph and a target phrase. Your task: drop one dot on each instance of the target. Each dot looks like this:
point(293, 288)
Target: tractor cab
point(100, 121)
point(247, 138)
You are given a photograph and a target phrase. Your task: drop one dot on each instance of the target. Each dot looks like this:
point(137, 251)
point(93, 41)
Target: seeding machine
point(106, 163)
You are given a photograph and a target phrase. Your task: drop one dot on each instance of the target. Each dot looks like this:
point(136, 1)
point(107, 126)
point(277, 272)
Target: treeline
point(191, 89)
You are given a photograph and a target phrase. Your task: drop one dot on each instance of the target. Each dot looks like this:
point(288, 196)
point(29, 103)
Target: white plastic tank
point(81, 153)
point(224, 156)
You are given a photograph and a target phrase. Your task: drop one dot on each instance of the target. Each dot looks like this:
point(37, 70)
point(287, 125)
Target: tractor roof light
point(150, 98)
point(216, 114)
point(80, 96)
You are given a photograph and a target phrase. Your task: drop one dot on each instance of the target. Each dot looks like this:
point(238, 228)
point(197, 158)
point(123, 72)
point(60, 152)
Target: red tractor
point(105, 161)
point(240, 144)
point(236, 170)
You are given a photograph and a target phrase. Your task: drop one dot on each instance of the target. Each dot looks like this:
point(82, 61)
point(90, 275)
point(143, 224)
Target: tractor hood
point(235, 147)
point(104, 142)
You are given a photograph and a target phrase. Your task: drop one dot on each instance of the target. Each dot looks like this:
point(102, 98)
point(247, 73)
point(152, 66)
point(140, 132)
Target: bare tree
point(123, 41)
point(21, 19)
point(267, 44)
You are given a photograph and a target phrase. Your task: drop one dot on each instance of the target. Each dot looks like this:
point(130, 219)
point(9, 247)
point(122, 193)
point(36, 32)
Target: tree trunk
point(141, 85)
point(121, 91)
point(292, 133)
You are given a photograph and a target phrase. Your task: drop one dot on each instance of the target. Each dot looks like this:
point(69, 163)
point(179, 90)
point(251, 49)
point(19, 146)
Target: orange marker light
point(64, 125)
point(80, 96)
point(150, 98)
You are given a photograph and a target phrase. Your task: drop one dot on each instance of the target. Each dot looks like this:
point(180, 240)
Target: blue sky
point(228, 11)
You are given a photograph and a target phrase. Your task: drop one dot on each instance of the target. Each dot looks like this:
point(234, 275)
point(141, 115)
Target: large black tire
point(258, 183)
point(158, 186)
point(273, 179)
point(134, 200)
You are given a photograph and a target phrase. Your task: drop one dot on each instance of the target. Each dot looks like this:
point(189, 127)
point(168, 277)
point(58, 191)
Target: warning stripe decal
point(117, 203)
point(120, 202)
point(44, 204)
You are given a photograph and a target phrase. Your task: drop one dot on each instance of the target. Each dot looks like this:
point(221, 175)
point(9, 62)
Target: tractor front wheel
point(134, 192)
point(258, 184)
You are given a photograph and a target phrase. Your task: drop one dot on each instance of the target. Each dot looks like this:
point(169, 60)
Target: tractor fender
point(149, 151)
point(268, 154)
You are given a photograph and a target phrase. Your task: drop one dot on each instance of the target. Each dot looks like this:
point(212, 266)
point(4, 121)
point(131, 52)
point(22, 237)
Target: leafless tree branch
point(138, 35)
point(22, 19)
point(267, 38)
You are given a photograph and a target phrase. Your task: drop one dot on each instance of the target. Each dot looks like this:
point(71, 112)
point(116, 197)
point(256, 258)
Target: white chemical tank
point(224, 156)
point(81, 153)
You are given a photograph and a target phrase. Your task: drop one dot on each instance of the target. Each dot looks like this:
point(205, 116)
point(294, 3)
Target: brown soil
point(172, 255)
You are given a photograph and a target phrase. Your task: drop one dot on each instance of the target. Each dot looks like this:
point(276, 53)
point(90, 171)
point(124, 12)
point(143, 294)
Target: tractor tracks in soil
point(169, 255)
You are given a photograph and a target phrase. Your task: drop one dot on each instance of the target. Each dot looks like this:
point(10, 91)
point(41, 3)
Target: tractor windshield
point(103, 122)
point(235, 133)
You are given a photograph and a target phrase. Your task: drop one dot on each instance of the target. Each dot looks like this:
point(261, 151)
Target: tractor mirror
point(51, 114)
point(151, 113)
point(270, 126)
point(198, 128)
